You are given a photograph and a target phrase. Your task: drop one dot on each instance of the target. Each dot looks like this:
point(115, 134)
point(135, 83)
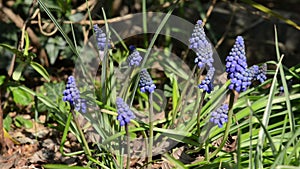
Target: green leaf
point(12, 49)
point(40, 69)
point(27, 42)
point(18, 71)
point(7, 122)
point(20, 121)
point(20, 96)
point(177, 163)
point(2, 79)
point(272, 13)
point(61, 166)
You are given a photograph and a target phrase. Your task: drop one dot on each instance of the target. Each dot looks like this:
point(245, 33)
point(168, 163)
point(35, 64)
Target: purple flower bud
point(134, 59)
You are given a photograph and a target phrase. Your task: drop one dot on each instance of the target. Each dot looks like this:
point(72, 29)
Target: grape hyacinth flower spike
point(203, 48)
point(101, 38)
point(146, 83)
point(236, 66)
point(72, 95)
point(219, 116)
point(124, 112)
point(134, 58)
point(204, 54)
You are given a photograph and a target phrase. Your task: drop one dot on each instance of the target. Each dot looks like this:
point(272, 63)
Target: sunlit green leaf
point(20, 96)
point(40, 69)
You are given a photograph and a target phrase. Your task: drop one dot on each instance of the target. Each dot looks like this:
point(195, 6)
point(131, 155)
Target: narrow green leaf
point(44, 7)
point(285, 86)
point(265, 120)
point(178, 164)
point(62, 166)
point(12, 49)
point(27, 43)
point(175, 92)
point(18, 71)
point(272, 13)
point(40, 69)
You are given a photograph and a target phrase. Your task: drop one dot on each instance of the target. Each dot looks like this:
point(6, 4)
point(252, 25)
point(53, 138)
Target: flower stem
point(199, 113)
point(86, 146)
point(226, 133)
point(151, 131)
point(128, 148)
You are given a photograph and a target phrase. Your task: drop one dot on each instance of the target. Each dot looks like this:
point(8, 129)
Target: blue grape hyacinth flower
point(203, 48)
point(207, 83)
point(146, 82)
point(134, 58)
point(236, 66)
point(220, 116)
point(236, 60)
point(72, 95)
point(101, 38)
point(124, 112)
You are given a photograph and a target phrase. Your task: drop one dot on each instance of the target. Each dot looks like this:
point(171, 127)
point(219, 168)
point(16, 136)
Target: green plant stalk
point(104, 61)
point(128, 148)
point(250, 133)
point(150, 130)
point(97, 162)
point(145, 22)
point(199, 113)
point(63, 139)
point(226, 133)
point(86, 146)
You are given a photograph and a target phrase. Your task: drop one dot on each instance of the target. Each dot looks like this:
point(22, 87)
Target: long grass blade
point(265, 120)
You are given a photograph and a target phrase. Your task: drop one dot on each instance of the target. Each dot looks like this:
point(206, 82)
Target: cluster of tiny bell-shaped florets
point(236, 66)
point(101, 38)
point(72, 95)
point(203, 49)
point(146, 83)
point(219, 116)
point(207, 84)
point(124, 112)
point(134, 58)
